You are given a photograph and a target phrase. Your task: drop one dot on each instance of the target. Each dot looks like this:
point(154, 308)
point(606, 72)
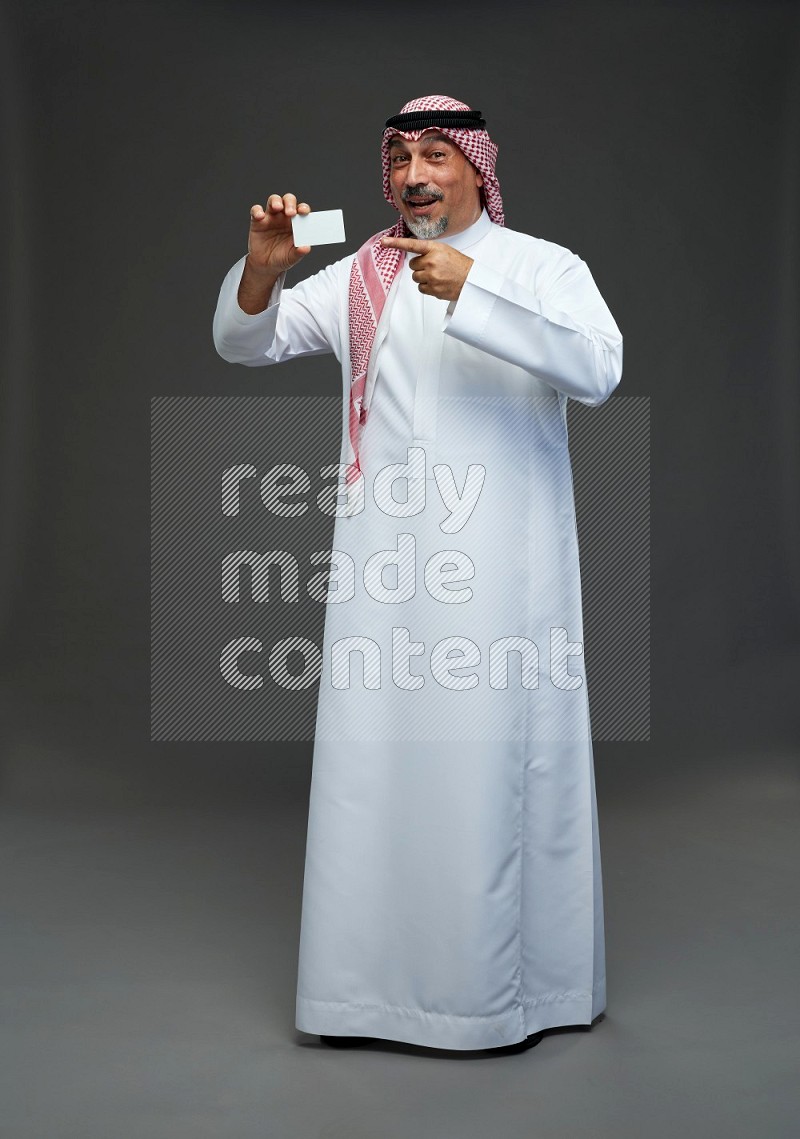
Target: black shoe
point(521, 1046)
point(346, 1041)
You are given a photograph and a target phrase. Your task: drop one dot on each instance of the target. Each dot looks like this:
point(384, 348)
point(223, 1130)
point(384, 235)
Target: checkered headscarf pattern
point(375, 267)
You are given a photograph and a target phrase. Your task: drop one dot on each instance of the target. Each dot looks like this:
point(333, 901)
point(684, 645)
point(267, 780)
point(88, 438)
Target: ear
point(478, 179)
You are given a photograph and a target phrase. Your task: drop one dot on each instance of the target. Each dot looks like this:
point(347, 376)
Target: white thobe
point(452, 893)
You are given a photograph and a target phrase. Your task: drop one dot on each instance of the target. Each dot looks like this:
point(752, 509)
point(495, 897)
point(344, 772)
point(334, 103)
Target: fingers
point(276, 204)
point(261, 219)
point(290, 206)
point(411, 244)
point(286, 204)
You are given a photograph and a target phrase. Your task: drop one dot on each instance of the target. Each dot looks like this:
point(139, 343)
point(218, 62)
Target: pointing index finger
point(411, 244)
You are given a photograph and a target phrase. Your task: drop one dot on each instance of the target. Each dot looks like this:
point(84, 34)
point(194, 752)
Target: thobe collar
point(467, 237)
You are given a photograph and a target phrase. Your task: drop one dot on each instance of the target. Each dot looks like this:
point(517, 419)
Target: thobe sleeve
point(301, 321)
point(561, 332)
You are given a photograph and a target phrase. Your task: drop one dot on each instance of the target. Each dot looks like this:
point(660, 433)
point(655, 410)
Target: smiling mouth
point(421, 204)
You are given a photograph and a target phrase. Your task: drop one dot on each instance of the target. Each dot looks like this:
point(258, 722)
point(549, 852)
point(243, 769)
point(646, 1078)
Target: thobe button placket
point(426, 391)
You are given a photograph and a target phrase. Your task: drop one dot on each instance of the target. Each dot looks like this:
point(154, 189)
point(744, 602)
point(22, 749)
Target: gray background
point(151, 891)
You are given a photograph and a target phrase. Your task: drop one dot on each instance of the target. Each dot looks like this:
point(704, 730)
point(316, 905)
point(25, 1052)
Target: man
point(452, 894)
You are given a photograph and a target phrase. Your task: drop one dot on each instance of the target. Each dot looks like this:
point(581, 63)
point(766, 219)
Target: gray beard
point(426, 228)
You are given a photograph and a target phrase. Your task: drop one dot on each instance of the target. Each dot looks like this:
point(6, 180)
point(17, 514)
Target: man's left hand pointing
point(439, 270)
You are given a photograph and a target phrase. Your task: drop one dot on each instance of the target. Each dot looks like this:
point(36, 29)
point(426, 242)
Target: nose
point(415, 171)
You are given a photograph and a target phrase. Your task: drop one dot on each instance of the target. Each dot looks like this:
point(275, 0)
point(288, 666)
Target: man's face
point(435, 187)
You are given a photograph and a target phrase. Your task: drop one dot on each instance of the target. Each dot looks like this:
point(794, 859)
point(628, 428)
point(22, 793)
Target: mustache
point(420, 192)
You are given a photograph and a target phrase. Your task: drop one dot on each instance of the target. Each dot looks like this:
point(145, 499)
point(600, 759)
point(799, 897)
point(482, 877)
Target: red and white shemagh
point(375, 267)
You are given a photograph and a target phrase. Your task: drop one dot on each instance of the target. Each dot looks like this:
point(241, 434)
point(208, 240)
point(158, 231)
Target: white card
point(325, 227)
